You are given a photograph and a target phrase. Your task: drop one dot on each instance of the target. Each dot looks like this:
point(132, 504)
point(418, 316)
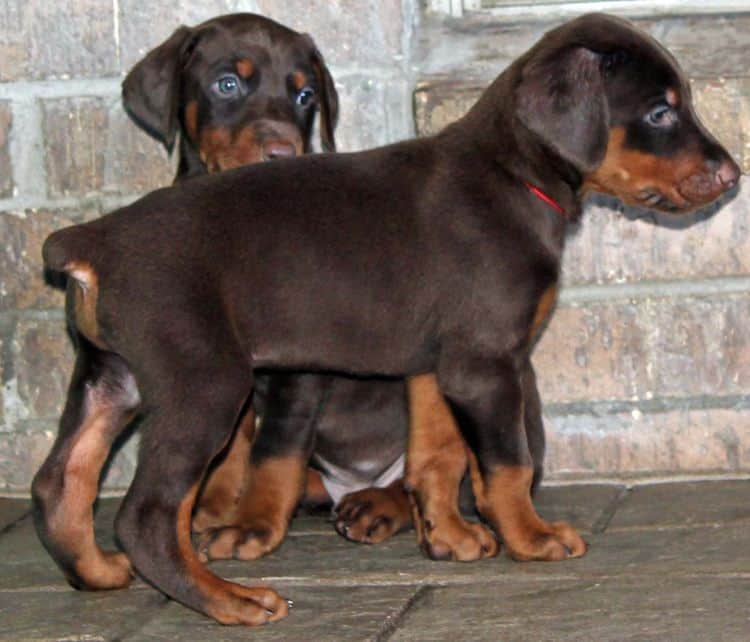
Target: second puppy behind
point(235, 90)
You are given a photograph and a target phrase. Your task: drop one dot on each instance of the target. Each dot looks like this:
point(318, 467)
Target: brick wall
point(68, 152)
point(645, 368)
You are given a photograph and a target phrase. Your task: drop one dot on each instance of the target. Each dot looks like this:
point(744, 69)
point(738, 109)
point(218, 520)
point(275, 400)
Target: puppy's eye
point(305, 96)
point(661, 116)
point(227, 86)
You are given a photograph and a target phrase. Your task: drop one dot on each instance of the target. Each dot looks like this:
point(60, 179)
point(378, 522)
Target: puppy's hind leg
point(102, 399)
point(194, 402)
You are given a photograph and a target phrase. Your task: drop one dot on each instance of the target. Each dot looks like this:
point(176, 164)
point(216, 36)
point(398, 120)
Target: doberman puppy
point(240, 89)
point(439, 255)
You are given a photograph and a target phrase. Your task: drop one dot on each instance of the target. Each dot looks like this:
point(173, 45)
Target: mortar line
point(391, 624)
point(656, 405)
point(43, 202)
point(574, 294)
point(111, 85)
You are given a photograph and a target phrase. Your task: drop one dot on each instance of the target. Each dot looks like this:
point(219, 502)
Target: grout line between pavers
point(600, 525)
point(15, 523)
point(392, 623)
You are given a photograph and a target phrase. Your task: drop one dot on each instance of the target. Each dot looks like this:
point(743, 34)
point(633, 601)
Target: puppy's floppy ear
point(329, 98)
point(561, 99)
point(151, 91)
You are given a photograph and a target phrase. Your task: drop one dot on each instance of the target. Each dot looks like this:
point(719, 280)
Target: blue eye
point(661, 116)
point(305, 96)
point(227, 85)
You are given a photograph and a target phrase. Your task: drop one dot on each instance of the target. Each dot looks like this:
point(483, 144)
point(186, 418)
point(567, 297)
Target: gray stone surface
point(673, 564)
point(673, 608)
point(698, 503)
point(11, 511)
point(320, 613)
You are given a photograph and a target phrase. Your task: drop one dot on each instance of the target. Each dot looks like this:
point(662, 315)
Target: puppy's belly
point(361, 435)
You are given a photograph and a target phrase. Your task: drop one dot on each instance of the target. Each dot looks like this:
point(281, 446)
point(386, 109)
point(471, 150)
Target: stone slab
point(684, 504)
point(72, 616)
point(655, 608)
point(12, 510)
point(323, 614)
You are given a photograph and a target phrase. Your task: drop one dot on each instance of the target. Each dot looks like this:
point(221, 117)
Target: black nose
point(278, 149)
point(728, 173)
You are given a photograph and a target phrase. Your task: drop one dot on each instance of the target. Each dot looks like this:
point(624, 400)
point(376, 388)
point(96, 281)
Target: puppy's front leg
point(436, 461)
point(289, 405)
point(487, 398)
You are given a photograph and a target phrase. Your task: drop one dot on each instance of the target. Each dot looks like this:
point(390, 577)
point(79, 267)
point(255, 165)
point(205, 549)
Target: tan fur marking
point(673, 97)
point(276, 485)
point(436, 461)
point(191, 119)
point(315, 490)
point(226, 602)
point(543, 310)
point(226, 482)
point(263, 513)
point(73, 519)
point(85, 296)
point(504, 497)
point(626, 173)
point(299, 80)
point(244, 67)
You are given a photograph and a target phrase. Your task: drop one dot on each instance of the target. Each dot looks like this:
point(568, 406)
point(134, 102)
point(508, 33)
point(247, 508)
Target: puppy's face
point(248, 97)
point(239, 88)
point(659, 154)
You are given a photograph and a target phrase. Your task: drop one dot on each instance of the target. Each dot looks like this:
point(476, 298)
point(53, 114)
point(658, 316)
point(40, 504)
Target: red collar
point(547, 199)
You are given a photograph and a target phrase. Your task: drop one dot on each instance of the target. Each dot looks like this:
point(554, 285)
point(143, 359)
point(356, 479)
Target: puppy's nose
point(278, 149)
point(728, 174)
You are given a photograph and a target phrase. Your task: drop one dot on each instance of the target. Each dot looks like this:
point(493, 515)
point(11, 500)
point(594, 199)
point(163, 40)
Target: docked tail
point(67, 249)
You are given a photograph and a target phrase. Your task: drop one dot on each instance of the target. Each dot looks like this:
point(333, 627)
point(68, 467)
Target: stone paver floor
point(667, 562)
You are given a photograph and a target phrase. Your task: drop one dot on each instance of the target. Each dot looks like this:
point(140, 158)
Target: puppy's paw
point(450, 537)
point(106, 570)
point(251, 606)
point(373, 515)
point(552, 542)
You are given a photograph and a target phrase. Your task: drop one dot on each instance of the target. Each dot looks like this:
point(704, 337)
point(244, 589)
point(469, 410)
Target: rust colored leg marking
point(226, 482)
point(226, 602)
point(436, 462)
point(316, 493)
point(72, 520)
point(505, 499)
point(263, 513)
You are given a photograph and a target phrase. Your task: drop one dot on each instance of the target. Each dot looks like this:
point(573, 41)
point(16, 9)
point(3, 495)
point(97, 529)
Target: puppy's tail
point(69, 249)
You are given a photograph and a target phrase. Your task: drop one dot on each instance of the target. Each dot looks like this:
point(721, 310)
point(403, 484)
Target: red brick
point(42, 362)
point(637, 444)
point(74, 139)
point(42, 39)
point(22, 283)
point(646, 348)
point(91, 146)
